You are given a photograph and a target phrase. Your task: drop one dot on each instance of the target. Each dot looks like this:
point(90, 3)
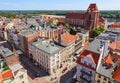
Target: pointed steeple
point(92, 8)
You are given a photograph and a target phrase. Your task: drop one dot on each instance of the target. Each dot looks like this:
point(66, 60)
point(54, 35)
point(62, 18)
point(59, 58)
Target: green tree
point(72, 31)
point(67, 25)
point(32, 26)
point(79, 29)
point(50, 22)
point(102, 28)
point(98, 31)
point(55, 23)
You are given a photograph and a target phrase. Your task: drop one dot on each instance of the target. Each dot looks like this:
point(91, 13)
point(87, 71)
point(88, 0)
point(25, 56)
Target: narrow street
point(67, 78)
point(32, 66)
point(37, 75)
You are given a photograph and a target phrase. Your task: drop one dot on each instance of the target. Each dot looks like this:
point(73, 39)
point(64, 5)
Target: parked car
point(64, 69)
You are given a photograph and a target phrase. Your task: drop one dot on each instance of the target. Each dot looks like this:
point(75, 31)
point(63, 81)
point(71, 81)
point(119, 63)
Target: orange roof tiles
point(7, 74)
point(94, 56)
point(111, 58)
point(108, 60)
point(118, 45)
point(15, 20)
point(47, 18)
point(115, 25)
point(62, 20)
point(116, 75)
point(1, 79)
point(68, 38)
point(112, 45)
point(115, 45)
point(115, 57)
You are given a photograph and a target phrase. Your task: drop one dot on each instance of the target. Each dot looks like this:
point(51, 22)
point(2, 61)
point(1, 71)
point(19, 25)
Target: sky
point(58, 4)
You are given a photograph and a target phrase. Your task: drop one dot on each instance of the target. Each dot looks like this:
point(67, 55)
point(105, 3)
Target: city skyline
point(58, 5)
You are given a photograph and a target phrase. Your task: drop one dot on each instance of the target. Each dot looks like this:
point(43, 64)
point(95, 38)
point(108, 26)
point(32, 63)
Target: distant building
point(114, 28)
point(88, 20)
point(3, 28)
point(115, 25)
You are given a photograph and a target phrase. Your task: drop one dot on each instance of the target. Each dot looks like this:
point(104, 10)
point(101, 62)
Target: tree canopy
point(98, 31)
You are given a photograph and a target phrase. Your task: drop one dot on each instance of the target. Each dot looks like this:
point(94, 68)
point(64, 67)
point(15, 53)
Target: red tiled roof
point(115, 25)
point(68, 38)
point(37, 19)
point(116, 75)
point(118, 45)
point(112, 45)
point(15, 20)
point(94, 57)
point(75, 15)
point(115, 45)
point(7, 74)
point(108, 60)
point(62, 20)
point(92, 7)
point(115, 57)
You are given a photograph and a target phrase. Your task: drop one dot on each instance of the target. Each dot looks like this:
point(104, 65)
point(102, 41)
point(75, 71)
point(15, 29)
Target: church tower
point(92, 17)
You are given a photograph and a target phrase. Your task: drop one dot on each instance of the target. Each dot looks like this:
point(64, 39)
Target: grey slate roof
point(108, 36)
point(105, 72)
point(27, 33)
point(94, 46)
point(46, 47)
point(5, 51)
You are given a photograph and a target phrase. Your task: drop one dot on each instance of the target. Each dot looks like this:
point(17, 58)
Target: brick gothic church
point(87, 20)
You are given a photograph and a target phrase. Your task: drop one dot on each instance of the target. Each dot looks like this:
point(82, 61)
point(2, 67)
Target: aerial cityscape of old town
point(59, 41)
